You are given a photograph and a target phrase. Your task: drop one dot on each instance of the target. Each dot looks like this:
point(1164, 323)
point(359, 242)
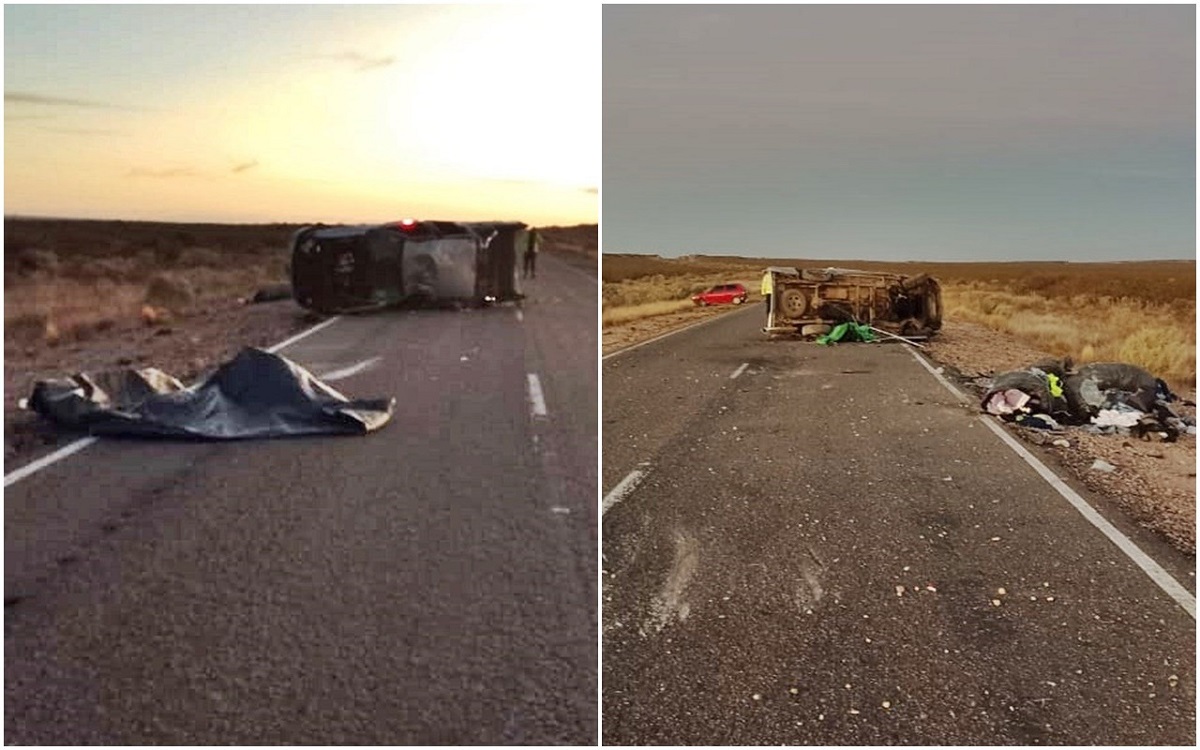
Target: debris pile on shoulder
point(255, 395)
point(1104, 397)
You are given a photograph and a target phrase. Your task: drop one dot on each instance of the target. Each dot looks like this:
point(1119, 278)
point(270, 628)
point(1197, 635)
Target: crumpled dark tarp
point(255, 395)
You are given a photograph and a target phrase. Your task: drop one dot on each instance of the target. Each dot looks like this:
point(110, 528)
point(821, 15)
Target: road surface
point(431, 583)
point(821, 545)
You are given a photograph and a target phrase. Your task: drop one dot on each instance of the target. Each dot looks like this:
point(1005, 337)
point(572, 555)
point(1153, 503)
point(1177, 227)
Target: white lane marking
point(45, 461)
point(537, 401)
point(520, 317)
point(346, 372)
point(623, 488)
point(722, 316)
point(739, 371)
point(78, 445)
point(1161, 577)
point(305, 334)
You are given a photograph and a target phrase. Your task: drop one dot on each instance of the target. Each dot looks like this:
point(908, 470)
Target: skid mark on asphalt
point(670, 604)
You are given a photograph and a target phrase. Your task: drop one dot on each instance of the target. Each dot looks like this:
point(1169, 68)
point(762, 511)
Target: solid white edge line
point(536, 399)
point(70, 448)
point(346, 372)
point(660, 337)
point(44, 461)
point(623, 488)
point(739, 371)
point(1161, 577)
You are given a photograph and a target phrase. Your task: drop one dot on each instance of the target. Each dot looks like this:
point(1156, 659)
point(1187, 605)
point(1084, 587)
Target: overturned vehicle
point(362, 267)
point(811, 301)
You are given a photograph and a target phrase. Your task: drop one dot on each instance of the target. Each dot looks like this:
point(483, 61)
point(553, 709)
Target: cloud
point(360, 61)
point(24, 97)
point(245, 166)
point(24, 118)
point(163, 174)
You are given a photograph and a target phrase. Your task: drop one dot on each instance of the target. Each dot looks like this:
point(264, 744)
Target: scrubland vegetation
point(69, 280)
point(1143, 313)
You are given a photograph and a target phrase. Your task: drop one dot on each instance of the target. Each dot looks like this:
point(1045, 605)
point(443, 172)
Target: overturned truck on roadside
point(811, 301)
point(349, 268)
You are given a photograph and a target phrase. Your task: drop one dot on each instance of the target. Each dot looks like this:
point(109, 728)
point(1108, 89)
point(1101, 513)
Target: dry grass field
point(72, 280)
point(1143, 313)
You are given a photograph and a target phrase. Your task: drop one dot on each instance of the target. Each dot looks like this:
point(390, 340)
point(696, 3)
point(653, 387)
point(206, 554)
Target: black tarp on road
point(255, 395)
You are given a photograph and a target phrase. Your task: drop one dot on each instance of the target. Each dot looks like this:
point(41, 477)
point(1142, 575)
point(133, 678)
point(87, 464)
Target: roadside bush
point(170, 291)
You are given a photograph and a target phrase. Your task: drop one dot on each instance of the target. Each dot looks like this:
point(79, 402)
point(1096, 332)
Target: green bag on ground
point(848, 331)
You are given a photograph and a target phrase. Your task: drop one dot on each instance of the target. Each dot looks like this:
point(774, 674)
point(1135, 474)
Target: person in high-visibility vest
point(533, 242)
point(768, 288)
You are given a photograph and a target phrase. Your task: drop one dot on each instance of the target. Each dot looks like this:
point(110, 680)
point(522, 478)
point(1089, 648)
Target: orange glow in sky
point(303, 113)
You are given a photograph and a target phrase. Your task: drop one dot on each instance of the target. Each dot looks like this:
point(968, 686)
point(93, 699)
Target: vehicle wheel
point(738, 300)
point(703, 303)
point(793, 303)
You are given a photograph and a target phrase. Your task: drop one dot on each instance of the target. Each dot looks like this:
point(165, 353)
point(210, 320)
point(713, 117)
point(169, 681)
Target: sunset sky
point(928, 132)
point(303, 113)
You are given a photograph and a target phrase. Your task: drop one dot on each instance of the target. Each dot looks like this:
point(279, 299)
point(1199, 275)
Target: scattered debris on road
point(255, 395)
point(1103, 397)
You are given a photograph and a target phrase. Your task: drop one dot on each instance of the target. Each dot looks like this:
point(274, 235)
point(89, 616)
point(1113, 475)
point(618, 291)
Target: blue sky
point(900, 132)
point(303, 113)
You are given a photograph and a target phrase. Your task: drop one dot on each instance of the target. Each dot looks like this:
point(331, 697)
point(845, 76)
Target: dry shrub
point(67, 309)
point(169, 290)
point(1160, 337)
point(192, 257)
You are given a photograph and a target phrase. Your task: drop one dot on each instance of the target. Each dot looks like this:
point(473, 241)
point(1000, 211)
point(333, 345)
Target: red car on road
point(721, 294)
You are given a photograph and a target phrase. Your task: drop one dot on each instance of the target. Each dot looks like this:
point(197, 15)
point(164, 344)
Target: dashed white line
point(305, 334)
point(520, 317)
point(739, 371)
point(537, 401)
point(346, 372)
point(35, 466)
point(1161, 577)
point(623, 488)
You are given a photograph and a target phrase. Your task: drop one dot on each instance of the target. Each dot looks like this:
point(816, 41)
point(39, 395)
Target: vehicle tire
point(703, 303)
point(738, 300)
point(793, 303)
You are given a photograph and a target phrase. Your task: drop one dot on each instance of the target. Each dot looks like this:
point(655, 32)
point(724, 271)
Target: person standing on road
point(768, 288)
point(532, 242)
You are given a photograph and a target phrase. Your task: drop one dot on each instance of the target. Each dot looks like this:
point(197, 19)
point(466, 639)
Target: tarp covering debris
point(848, 331)
point(1104, 396)
point(255, 395)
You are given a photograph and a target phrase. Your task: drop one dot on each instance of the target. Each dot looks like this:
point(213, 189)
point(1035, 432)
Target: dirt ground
point(1155, 483)
point(193, 343)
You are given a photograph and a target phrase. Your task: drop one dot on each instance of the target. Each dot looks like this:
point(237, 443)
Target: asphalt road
point(431, 583)
point(812, 545)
